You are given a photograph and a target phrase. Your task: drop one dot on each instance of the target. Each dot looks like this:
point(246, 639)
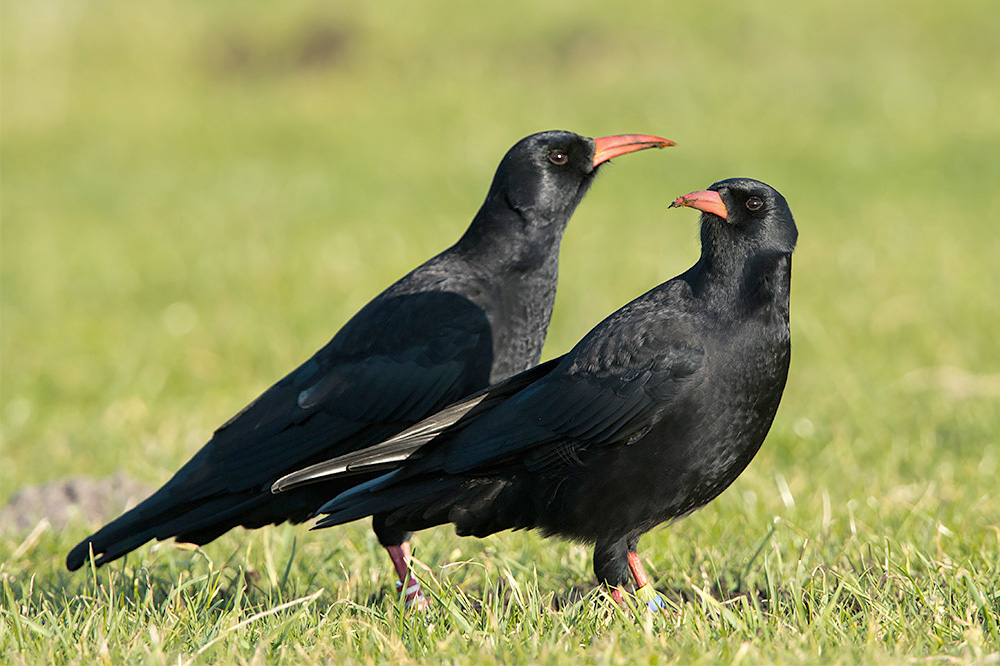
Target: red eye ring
point(755, 203)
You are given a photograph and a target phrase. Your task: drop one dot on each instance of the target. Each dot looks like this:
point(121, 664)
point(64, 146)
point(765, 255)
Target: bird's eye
point(558, 157)
point(755, 203)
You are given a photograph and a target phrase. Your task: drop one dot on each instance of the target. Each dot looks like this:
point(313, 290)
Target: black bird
point(649, 417)
point(472, 315)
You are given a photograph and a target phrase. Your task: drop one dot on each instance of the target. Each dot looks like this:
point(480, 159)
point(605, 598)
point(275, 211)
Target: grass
point(196, 197)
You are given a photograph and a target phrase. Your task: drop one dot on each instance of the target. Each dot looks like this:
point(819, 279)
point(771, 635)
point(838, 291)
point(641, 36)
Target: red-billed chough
point(649, 417)
point(472, 315)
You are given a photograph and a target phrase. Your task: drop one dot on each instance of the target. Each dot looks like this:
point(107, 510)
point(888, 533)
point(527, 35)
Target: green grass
point(195, 197)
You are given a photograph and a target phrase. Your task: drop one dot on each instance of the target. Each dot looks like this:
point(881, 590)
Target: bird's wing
point(393, 451)
point(608, 395)
point(610, 389)
point(614, 385)
point(409, 357)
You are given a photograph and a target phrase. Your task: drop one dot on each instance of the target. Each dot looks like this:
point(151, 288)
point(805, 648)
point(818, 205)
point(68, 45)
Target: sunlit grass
point(194, 199)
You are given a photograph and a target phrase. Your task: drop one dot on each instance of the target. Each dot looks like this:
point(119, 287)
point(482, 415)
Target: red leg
point(638, 573)
point(414, 596)
point(643, 589)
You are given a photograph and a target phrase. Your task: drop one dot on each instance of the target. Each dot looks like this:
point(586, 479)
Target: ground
point(194, 198)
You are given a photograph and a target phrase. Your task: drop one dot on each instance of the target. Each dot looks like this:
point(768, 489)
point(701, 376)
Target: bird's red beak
point(705, 200)
point(621, 144)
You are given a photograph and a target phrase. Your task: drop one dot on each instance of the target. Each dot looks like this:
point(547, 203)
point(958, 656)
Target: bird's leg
point(643, 589)
point(610, 566)
point(413, 595)
point(614, 561)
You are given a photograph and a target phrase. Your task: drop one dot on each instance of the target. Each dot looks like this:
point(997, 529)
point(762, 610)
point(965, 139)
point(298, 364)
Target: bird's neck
point(515, 263)
point(759, 281)
point(503, 241)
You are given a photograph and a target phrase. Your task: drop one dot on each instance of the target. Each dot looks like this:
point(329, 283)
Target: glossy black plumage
point(472, 315)
point(652, 415)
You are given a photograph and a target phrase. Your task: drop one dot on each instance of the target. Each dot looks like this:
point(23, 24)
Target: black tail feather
point(361, 505)
point(196, 524)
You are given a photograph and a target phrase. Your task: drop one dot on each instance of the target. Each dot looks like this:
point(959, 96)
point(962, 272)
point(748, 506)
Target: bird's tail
point(374, 498)
point(160, 517)
point(477, 507)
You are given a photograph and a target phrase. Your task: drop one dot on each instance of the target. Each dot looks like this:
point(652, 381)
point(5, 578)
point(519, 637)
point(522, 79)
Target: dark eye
point(755, 203)
point(558, 157)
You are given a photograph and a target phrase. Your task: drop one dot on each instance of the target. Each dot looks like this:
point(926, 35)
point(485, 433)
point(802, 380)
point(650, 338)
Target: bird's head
point(743, 217)
point(544, 176)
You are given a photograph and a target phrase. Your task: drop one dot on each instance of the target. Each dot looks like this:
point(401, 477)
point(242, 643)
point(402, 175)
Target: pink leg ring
point(408, 585)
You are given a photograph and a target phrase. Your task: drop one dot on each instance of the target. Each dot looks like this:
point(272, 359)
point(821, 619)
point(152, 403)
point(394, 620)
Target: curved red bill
point(621, 144)
point(705, 200)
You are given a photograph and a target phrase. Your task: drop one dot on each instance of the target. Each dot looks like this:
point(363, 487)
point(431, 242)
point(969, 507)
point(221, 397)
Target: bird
point(649, 417)
point(472, 315)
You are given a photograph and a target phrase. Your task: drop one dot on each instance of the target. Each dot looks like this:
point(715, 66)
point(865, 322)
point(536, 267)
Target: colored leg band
point(654, 602)
point(414, 596)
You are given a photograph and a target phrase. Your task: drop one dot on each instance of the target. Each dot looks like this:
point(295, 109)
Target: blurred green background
point(195, 196)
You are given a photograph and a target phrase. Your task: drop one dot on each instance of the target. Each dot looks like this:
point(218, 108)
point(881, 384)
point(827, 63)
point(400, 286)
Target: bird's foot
point(654, 602)
point(646, 594)
point(414, 596)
